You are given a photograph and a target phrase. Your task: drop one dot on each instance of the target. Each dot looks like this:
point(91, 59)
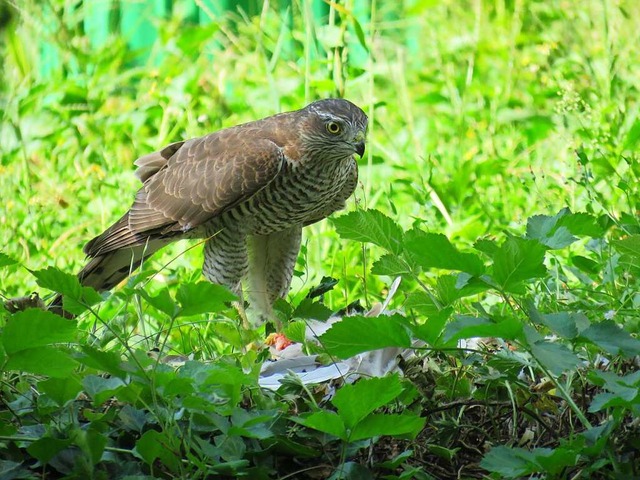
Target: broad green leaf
point(516, 261)
point(390, 265)
point(162, 301)
point(202, 297)
point(35, 328)
point(370, 226)
point(508, 462)
point(553, 356)
point(582, 224)
point(6, 260)
point(464, 326)
point(61, 390)
point(404, 424)
point(432, 329)
point(106, 361)
point(356, 401)
point(313, 310)
point(91, 442)
point(564, 324)
point(433, 250)
point(44, 360)
point(155, 445)
point(101, 389)
point(612, 338)
point(422, 303)
point(357, 334)
point(76, 298)
point(325, 421)
point(606, 400)
point(628, 246)
point(487, 246)
point(633, 136)
point(45, 448)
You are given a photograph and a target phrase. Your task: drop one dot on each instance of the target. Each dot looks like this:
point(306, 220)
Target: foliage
point(501, 184)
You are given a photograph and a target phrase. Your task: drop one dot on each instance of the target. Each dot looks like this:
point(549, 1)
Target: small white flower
point(609, 314)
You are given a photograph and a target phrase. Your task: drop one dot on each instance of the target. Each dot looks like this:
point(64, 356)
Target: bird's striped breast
point(298, 195)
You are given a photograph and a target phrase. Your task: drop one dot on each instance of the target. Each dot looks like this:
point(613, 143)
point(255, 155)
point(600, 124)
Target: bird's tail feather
point(104, 272)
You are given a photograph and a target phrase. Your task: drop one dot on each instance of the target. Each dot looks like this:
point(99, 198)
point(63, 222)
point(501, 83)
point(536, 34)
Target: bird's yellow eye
point(333, 127)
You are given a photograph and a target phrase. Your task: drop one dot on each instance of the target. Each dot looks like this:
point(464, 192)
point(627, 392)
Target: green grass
point(482, 115)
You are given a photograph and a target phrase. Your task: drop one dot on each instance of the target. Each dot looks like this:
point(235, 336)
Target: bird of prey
point(248, 190)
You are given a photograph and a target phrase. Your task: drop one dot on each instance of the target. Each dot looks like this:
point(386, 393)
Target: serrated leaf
point(45, 360)
point(155, 445)
point(58, 281)
point(312, 310)
point(76, 298)
point(6, 260)
point(202, 297)
point(433, 250)
point(487, 246)
point(612, 338)
point(44, 449)
point(324, 421)
point(357, 334)
point(355, 401)
point(553, 356)
point(105, 361)
point(61, 390)
point(35, 328)
point(391, 265)
point(422, 303)
point(517, 261)
point(628, 246)
point(404, 424)
point(508, 462)
point(465, 326)
point(370, 226)
point(162, 301)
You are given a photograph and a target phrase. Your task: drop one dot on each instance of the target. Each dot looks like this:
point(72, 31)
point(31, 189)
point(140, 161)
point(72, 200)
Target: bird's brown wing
point(200, 179)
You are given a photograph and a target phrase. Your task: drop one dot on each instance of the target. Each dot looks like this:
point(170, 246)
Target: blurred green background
point(482, 113)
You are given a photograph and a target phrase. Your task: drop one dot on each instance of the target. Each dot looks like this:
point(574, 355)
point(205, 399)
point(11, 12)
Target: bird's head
point(336, 127)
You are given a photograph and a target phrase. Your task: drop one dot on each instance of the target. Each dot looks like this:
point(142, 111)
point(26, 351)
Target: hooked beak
point(359, 143)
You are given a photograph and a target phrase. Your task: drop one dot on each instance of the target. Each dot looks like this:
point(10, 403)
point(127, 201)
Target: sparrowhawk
point(248, 190)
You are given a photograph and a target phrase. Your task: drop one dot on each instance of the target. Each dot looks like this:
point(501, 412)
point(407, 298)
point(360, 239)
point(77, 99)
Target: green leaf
point(35, 328)
point(91, 442)
point(155, 445)
point(162, 301)
point(544, 229)
point(553, 356)
point(433, 250)
point(612, 338)
point(202, 297)
point(422, 303)
point(516, 261)
point(370, 226)
point(356, 401)
point(509, 462)
point(464, 326)
point(357, 334)
point(76, 297)
point(633, 136)
point(6, 260)
point(404, 424)
point(106, 361)
point(44, 449)
point(61, 390)
point(431, 331)
point(359, 32)
point(628, 246)
point(324, 421)
point(45, 360)
point(101, 389)
point(313, 310)
point(390, 265)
